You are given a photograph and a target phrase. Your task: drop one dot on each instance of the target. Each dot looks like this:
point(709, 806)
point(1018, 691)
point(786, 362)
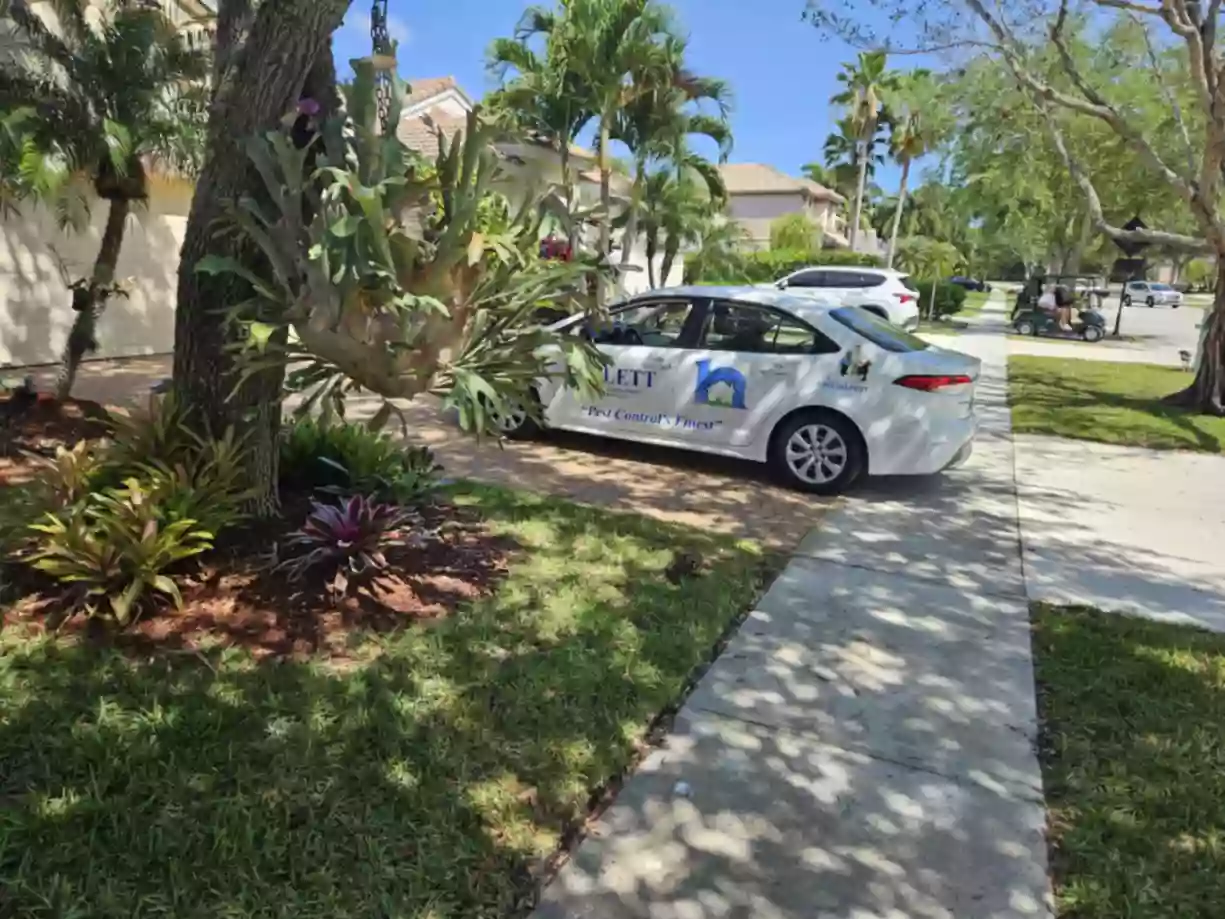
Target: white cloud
point(357, 28)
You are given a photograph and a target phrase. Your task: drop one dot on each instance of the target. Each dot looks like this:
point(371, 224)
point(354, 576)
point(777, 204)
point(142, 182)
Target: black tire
point(1126, 300)
point(1026, 327)
point(830, 435)
point(1093, 333)
point(519, 427)
point(1150, 302)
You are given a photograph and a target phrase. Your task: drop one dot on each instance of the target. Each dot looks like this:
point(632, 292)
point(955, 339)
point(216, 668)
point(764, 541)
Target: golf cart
point(1087, 293)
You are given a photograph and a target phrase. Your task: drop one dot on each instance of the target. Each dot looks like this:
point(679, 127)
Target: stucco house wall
point(37, 261)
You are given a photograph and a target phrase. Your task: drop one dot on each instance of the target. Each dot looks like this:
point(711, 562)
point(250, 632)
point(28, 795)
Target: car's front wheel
point(1025, 327)
point(1092, 333)
point(1150, 302)
point(818, 452)
point(1126, 300)
point(514, 422)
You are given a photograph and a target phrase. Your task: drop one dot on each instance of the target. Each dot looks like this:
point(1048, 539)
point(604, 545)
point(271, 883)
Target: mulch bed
point(232, 599)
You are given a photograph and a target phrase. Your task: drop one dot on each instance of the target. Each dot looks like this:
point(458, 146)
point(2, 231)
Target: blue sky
point(781, 70)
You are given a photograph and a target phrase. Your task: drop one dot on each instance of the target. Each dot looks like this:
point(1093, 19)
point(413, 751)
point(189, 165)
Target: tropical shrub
point(950, 298)
point(796, 233)
point(113, 550)
point(345, 540)
point(348, 458)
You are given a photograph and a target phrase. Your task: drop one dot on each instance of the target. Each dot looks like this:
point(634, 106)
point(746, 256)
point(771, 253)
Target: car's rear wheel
point(514, 422)
point(1025, 327)
point(1126, 300)
point(818, 452)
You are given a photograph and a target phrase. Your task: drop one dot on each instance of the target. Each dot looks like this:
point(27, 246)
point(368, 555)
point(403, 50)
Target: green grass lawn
point(1113, 403)
point(429, 781)
point(1133, 753)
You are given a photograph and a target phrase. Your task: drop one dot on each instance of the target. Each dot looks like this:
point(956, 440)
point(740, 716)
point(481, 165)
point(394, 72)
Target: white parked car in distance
point(1151, 293)
point(823, 394)
point(888, 293)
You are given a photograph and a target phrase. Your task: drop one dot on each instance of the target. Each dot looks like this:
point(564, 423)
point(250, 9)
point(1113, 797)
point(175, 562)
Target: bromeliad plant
point(347, 539)
point(398, 276)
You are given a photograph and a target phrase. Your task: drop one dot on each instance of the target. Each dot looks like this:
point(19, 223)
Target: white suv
point(890, 294)
point(1150, 293)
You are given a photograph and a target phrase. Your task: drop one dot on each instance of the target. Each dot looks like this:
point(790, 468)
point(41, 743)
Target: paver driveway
point(719, 494)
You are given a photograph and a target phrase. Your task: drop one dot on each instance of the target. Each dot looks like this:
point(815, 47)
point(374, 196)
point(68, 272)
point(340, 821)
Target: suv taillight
point(904, 298)
point(930, 383)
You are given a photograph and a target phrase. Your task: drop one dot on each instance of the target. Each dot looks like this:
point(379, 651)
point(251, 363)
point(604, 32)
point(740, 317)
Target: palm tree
point(541, 95)
point(116, 90)
point(865, 86)
point(678, 209)
point(657, 125)
point(915, 130)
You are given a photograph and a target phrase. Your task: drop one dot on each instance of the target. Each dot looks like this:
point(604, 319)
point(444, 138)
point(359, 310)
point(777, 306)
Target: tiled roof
point(418, 132)
point(427, 88)
point(759, 178)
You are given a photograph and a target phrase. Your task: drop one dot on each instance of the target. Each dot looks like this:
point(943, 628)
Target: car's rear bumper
point(923, 450)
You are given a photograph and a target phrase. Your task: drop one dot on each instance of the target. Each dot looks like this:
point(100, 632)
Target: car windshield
point(880, 332)
point(1161, 287)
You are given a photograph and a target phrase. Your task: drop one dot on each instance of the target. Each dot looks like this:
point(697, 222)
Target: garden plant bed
point(1133, 712)
point(427, 752)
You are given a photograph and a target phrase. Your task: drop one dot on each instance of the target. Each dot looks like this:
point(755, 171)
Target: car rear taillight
point(931, 382)
point(904, 298)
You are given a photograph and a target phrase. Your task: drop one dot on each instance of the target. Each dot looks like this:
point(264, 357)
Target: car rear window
point(880, 332)
point(908, 284)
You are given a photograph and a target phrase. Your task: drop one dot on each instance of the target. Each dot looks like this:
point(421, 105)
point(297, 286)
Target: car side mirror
point(781, 285)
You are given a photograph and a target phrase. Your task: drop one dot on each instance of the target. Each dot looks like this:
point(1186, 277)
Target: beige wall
point(35, 311)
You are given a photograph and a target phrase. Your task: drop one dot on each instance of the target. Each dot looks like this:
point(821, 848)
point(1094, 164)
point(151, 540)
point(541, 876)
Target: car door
point(644, 344)
point(750, 366)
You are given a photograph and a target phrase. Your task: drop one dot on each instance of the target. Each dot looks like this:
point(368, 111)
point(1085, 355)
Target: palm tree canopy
point(867, 85)
point(108, 90)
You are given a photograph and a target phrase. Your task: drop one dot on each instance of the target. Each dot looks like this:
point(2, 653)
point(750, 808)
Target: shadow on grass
point(1133, 715)
point(1074, 406)
point(434, 779)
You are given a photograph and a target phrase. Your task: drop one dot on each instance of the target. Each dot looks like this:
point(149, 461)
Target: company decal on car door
point(724, 387)
point(853, 366)
point(624, 382)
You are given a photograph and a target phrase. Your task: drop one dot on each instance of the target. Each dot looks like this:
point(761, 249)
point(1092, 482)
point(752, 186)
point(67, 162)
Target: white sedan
point(823, 394)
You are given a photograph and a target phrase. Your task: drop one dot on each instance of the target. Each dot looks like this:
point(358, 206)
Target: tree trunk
point(897, 217)
point(671, 249)
point(288, 42)
point(91, 301)
point(1082, 243)
point(605, 203)
point(631, 224)
point(1206, 394)
point(861, 150)
point(652, 248)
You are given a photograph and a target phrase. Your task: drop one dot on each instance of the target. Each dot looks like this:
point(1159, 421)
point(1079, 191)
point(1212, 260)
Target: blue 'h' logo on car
point(729, 376)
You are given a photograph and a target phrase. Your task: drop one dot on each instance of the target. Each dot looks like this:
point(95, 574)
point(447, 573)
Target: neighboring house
point(759, 194)
point(38, 261)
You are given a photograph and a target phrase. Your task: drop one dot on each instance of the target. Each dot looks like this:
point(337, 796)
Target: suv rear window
point(906, 282)
point(880, 332)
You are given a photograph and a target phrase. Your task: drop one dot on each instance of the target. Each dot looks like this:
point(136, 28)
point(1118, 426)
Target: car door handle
point(657, 363)
point(775, 370)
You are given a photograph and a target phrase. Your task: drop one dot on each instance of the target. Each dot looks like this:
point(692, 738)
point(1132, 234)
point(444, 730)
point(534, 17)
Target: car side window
point(871, 280)
point(657, 325)
point(808, 279)
point(754, 330)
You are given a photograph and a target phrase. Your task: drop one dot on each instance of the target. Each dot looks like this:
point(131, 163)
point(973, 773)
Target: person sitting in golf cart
point(1056, 301)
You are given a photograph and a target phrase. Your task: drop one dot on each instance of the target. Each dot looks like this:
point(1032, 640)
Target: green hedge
point(950, 298)
point(772, 264)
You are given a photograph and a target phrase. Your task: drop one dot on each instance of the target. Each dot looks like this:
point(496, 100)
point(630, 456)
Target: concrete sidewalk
point(865, 746)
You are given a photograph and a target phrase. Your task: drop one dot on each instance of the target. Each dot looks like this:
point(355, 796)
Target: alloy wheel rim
point(510, 420)
point(816, 453)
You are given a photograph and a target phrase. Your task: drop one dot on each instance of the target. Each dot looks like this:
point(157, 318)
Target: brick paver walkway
point(709, 492)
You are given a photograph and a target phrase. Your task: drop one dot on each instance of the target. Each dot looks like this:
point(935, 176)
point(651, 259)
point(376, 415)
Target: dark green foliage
point(950, 298)
point(349, 458)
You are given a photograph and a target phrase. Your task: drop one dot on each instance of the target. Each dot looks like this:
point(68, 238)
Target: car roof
point(798, 304)
point(887, 272)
